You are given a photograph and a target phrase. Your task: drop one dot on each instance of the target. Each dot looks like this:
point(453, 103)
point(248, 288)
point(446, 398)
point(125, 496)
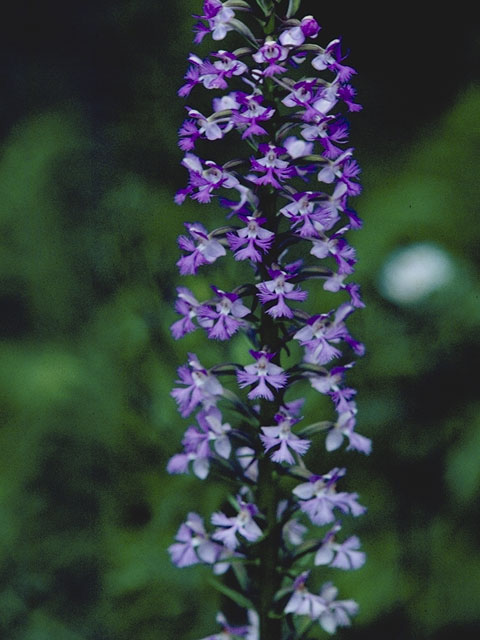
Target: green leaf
point(237, 4)
point(311, 158)
point(264, 6)
point(314, 428)
point(241, 574)
point(227, 369)
point(310, 368)
point(234, 502)
point(299, 472)
point(282, 593)
point(312, 272)
point(242, 28)
point(236, 596)
point(307, 547)
point(293, 7)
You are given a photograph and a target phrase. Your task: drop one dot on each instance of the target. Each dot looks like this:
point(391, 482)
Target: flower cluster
point(282, 98)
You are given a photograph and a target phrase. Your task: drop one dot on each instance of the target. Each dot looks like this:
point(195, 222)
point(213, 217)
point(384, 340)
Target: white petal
point(324, 555)
point(223, 446)
point(333, 440)
point(201, 467)
point(304, 490)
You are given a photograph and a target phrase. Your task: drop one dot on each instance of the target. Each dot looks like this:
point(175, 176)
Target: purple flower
point(310, 27)
point(251, 241)
point(322, 102)
point(344, 427)
point(196, 450)
point(271, 53)
point(301, 94)
point(273, 168)
point(242, 524)
point(307, 219)
point(335, 282)
point(278, 290)
point(345, 555)
point(197, 443)
point(294, 532)
point(224, 316)
point(354, 291)
point(295, 36)
point(262, 376)
point(333, 168)
point(281, 436)
point(218, 19)
point(201, 387)
point(318, 498)
point(212, 421)
point(249, 631)
point(253, 112)
point(188, 134)
point(321, 331)
point(337, 612)
point(193, 544)
point(214, 75)
point(335, 203)
point(329, 381)
point(204, 180)
point(330, 59)
point(347, 94)
point(315, 336)
point(187, 306)
point(192, 77)
point(201, 249)
point(323, 607)
point(200, 126)
point(227, 102)
point(302, 602)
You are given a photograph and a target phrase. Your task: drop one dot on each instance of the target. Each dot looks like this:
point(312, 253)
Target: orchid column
point(279, 100)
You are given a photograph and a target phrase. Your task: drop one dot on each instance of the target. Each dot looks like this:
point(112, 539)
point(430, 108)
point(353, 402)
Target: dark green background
point(88, 169)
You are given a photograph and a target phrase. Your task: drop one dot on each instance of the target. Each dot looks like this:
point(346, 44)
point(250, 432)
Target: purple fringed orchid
point(251, 114)
point(187, 306)
point(222, 317)
point(318, 498)
point(193, 544)
point(215, 20)
point(248, 631)
point(324, 608)
point(274, 169)
point(262, 376)
point(242, 524)
point(252, 241)
point(281, 436)
point(278, 290)
point(296, 36)
point(281, 167)
point(271, 54)
point(345, 555)
point(204, 179)
point(200, 387)
point(200, 249)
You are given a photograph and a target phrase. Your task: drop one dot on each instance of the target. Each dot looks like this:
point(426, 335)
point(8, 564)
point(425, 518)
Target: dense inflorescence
point(280, 99)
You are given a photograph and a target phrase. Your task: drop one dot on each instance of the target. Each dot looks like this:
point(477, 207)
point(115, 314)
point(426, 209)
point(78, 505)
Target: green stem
point(269, 580)
point(270, 628)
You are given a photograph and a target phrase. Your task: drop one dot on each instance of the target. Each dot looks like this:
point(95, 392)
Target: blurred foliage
point(88, 168)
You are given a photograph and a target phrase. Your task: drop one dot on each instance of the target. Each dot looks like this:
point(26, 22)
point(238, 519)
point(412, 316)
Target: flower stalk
point(278, 101)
